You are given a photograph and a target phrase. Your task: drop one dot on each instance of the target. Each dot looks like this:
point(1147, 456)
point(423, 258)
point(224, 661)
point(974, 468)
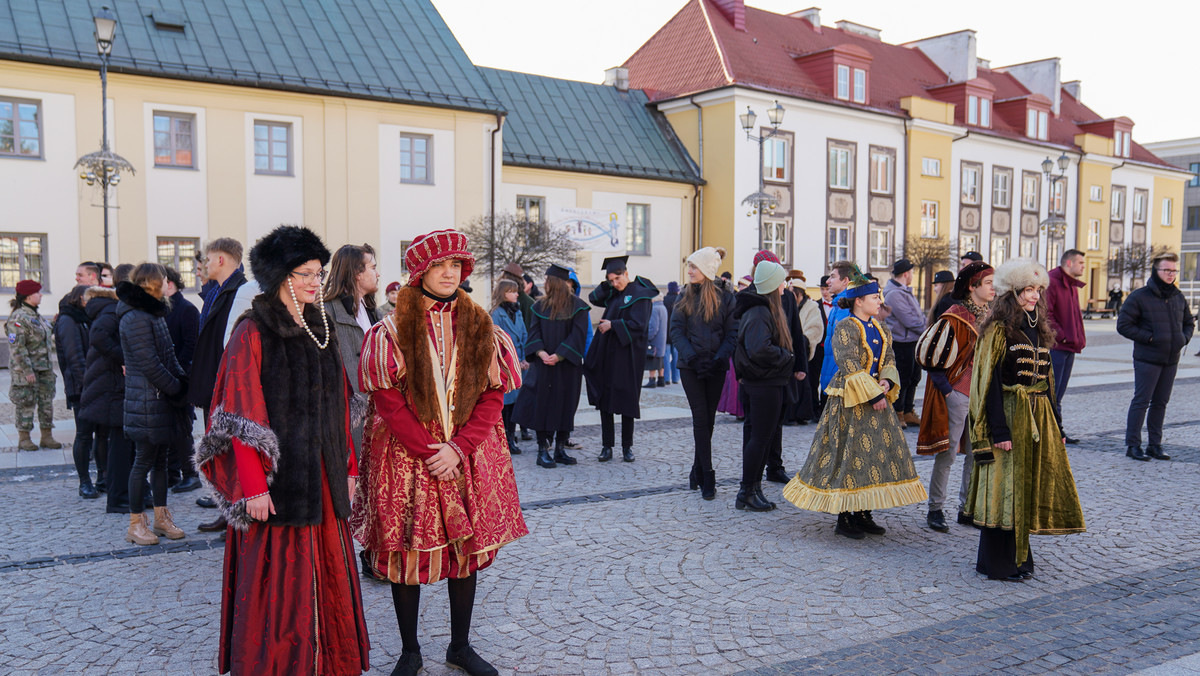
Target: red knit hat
point(436, 247)
point(27, 287)
point(765, 255)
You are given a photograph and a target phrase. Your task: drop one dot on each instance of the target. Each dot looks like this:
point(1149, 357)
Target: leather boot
point(87, 491)
point(163, 525)
point(936, 519)
point(409, 664)
point(561, 457)
point(867, 524)
point(1155, 451)
point(708, 485)
point(544, 459)
point(513, 448)
point(911, 418)
point(605, 454)
point(627, 454)
point(48, 439)
point(469, 661)
point(24, 443)
point(138, 533)
point(848, 528)
point(759, 493)
point(748, 498)
point(1137, 453)
point(900, 420)
point(693, 479)
point(101, 483)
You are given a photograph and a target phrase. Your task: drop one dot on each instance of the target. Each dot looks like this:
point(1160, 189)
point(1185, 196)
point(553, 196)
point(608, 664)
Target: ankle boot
point(48, 439)
point(847, 527)
point(544, 458)
point(560, 455)
point(759, 493)
point(650, 384)
point(867, 524)
point(513, 448)
point(627, 453)
point(409, 664)
point(138, 533)
point(708, 485)
point(469, 661)
point(87, 491)
point(662, 382)
point(163, 525)
point(101, 484)
point(605, 454)
point(694, 479)
point(24, 443)
point(747, 498)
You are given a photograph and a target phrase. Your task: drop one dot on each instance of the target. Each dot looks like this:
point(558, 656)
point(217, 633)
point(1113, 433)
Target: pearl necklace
point(300, 313)
point(1031, 317)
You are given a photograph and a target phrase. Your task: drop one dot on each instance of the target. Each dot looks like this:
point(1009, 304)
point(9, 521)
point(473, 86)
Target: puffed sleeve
point(848, 353)
point(381, 374)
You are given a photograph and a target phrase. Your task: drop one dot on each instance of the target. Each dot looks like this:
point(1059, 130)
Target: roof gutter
point(492, 198)
point(698, 203)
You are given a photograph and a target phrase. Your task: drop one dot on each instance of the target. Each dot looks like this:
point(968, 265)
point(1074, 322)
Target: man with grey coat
point(906, 323)
point(350, 301)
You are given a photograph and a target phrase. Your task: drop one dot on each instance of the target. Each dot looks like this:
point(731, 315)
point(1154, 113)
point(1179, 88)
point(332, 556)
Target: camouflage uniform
point(30, 342)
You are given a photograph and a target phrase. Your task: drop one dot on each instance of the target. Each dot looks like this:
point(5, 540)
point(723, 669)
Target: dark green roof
point(392, 50)
point(577, 126)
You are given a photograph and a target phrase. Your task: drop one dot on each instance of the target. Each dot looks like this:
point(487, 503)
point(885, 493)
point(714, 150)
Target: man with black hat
point(968, 258)
point(614, 362)
point(906, 322)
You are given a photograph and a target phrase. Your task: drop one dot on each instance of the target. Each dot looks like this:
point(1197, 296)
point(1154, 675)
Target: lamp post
point(1055, 225)
point(104, 167)
point(760, 201)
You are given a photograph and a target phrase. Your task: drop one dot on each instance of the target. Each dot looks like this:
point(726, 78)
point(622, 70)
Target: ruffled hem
point(838, 500)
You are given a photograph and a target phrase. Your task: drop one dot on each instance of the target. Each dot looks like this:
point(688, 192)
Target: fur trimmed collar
point(139, 299)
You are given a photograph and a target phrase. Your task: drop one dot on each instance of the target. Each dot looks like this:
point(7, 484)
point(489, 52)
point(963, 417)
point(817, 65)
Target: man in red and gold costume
point(438, 497)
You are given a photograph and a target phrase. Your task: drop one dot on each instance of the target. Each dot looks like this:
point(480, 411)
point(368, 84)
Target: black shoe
point(1155, 451)
point(1027, 574)
point(1070, 440)
point(605, 454)
point(206, 502)
point(218, 524)
point(693, 479)
point(87, 491)
point(759, 493)
point(173, 479)
point(937, 521)
point(101, 484)
point(573, 446)
point(469, 661)
point(747, 498)
point(409, 664)
point(867, 524)
point(188, 484)
point(708, 485)
point(544, 459)
point(1015, 577)
point(778, 475)
point(627, 454)
point(526, 436)
point(561, 457)
point(651, 384)
point(848, 527)
point(513, 448)
point(966, 520)
point(661, 382)
point(368, 570)
point(1137, 453)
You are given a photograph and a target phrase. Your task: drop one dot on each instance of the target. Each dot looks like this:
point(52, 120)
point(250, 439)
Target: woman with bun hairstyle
point(1021, 483)
point(704, 332)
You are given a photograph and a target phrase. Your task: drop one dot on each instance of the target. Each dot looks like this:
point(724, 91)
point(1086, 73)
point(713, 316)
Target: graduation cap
point(556, 270)
point(615, 264)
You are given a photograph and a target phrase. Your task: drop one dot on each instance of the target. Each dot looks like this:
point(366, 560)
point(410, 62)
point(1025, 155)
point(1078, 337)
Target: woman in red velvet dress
point(438, 497)
point(277, 457)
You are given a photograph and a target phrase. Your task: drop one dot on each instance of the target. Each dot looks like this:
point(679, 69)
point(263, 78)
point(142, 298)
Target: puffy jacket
point(71, 346)
point(758, 357)
point(154, 382)
point(705, 346)
point(1157, 319)
point(1062, 303)
point(103, 398)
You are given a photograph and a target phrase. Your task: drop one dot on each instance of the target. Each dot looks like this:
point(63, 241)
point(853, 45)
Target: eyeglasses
point(307, 277)
point(1168, 271)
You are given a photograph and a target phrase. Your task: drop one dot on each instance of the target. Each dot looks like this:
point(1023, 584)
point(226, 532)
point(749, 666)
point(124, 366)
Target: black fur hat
point(275, 255)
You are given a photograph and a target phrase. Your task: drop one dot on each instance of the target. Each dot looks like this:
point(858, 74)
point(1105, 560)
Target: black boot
point(87, 491)
point(937, 521)
point(605, 454)
point(693, 479)
point(101, 484)
point(867, 524)
point(561, 457)
point(759, 493)
point(408, 665)
point(847, 526)
point(627, 454)
point(1137, 453)
point(513, 448)
point(1155, 451)
point(650, 384)
point(544, 458)
point(748, 498)
point(662, 382)
point(778, 475)
point(525, 435)
point(708, 485)
point(469, 661)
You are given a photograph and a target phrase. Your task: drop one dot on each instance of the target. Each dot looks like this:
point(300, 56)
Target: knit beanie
point(707, 260)
point(768, 276)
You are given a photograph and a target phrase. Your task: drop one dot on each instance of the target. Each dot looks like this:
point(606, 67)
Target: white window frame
point(776, 236)
point(985, 112)
point(843, 82)
point(527, 204)
point(1167, 205)
point(637, 243)
point(970, 186)
point(1031, 123)
point(1096, 194)
point(1117, 212)
point(1093, 235)
point(1054, 249)
point(271, 155)
point(929, 218)
point(968, 243)
point(771, 154)
point(1058, 198)
point(1031, 193)
point(10, 277)
point(999, 250)
point(931, 166)
point(972, 109)
point(860, 85)
point(19, 125)
point(1043, 125)
point(841, 168)
point(1028, 247)
point(839, 243)
point(409, 159)
point(879, 253)
point(1139, 207)
point(1001, 188)
point(180, 253)
point(881, 172)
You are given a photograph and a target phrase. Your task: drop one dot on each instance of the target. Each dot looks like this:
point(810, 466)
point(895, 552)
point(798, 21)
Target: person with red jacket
point(1062, 301)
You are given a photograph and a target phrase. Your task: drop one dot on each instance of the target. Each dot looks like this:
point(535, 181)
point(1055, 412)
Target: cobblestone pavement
point(628, 572)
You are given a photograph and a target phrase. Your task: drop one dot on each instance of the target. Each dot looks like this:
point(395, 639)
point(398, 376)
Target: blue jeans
point(672, 365)
point(1062, 362)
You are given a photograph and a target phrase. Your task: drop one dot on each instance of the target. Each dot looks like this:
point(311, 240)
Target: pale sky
point(1136, 59)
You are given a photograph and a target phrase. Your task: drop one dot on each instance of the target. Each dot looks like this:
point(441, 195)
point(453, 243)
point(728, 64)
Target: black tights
point(407, 599)
point(510, 427)
point(148, 459)
point(81, 450)
point(548, 439)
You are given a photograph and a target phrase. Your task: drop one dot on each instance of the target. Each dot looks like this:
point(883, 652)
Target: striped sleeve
point(381, 365)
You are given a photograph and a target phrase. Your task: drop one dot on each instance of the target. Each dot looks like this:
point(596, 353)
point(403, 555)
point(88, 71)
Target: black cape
point(614, 363)
point(549, 395)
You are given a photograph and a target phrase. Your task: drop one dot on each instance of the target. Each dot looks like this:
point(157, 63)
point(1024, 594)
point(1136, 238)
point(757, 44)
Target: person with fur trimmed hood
point(1021, 482)
point(277, 456)
point(438, 497)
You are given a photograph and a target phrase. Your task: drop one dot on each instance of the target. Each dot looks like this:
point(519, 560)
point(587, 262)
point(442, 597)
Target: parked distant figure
point(943, 290)
point(102, 402)
point(108, 275)
point(506, 314)
point(656, 348)
point(730, 401)
point(1115, 295)
point(30, 339)
point(87, 274)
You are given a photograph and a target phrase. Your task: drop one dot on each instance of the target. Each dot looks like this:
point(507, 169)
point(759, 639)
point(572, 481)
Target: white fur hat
point(1017, 273)
point(707, 260)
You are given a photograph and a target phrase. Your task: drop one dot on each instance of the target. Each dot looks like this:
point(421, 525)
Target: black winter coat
point(210, 344)
point(71, 344)
point(103, 399)
point(154, 381)
point(183, 323)
point(758, 358)
point(705, 346)
point(1157, 319)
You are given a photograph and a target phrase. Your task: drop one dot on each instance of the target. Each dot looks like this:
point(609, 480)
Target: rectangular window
point(273, 148)
point(1031, 123)
point(999, 251)
point(1093, 235)
point(1194, 167)
point(1054, 249)
point(1118, 203)
point(404, 244)
point(1168, 203)
point(1193, 218)
point(839, 244)
point(1028, 248)
point(775, 159)
point(23, 256)
point(843, 82)
point(416, 158)
point(970, 183)
point(968, 243)
point(931, 166)
point(881, 248)
point(985, 112)
point(1043, 125)
point(1058, 198)
point(174, 138)
point(860, 85)
point(881, 172)
point(1139, 206)
point(1188, 271)
point(774, 236)
point(1096, 194)
point(20, 128)
point(929, 218)
point(1122, 141)
point(637, 229)
point(530, 208)
point(180, 253)
point(1031, 184)
point(840, 168)
point(972, 109)
point(1001, 188)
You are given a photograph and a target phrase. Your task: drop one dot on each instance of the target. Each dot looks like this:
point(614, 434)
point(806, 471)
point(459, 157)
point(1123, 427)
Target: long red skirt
point(291, 602)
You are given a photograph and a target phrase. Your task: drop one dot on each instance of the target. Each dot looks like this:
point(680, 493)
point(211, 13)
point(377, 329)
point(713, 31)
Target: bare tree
point(927, 254)
point(1134, 262)
point(510, 239)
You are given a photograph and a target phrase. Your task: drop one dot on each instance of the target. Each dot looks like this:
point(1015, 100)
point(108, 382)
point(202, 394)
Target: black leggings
point(608, 430)
point(81, 449)
point(152, 459)
point(548, 439)
point(702, 395)
point(407, 599)
point(910, 375)
point(510, 427)
point(764, 412)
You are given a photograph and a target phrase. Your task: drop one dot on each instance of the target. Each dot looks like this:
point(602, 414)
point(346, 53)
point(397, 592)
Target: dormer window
point(843, 82)
point(844, 89)
point(843, 69)
point(1123, 141)
point(860, 85)
point(1037, 124)
point(979, 111)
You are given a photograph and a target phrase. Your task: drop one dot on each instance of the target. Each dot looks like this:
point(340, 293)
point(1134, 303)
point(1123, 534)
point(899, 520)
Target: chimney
point(858, 29)
point(953, 52)
point(811, 15)
point(983, 63)
point(1072, 88)
point(617, 77)
point(734, 12)
point(1040, 77)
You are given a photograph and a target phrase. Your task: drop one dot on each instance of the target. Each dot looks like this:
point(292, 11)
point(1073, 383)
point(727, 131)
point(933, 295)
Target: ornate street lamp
point(1054, 225)
point(761, 201)
point(104, 167)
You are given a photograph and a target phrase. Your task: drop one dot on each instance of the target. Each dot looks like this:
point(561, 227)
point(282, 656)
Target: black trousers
point(608, 430)
point(764, 415)
point(702, 395)
point(510, 427)
point(149, 459)
point(81, 449)
point(180, 457)
point(550, 438)
point(120, 463)
point(910, 375)
point(998, 553)
point(774, 457)
point(1152, 385)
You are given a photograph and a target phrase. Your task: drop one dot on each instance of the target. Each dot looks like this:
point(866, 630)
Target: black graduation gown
point(550, 394)
point(800, 394)
point(614, 363)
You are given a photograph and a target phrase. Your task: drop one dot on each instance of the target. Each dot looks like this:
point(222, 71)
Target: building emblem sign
point(594, 230)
